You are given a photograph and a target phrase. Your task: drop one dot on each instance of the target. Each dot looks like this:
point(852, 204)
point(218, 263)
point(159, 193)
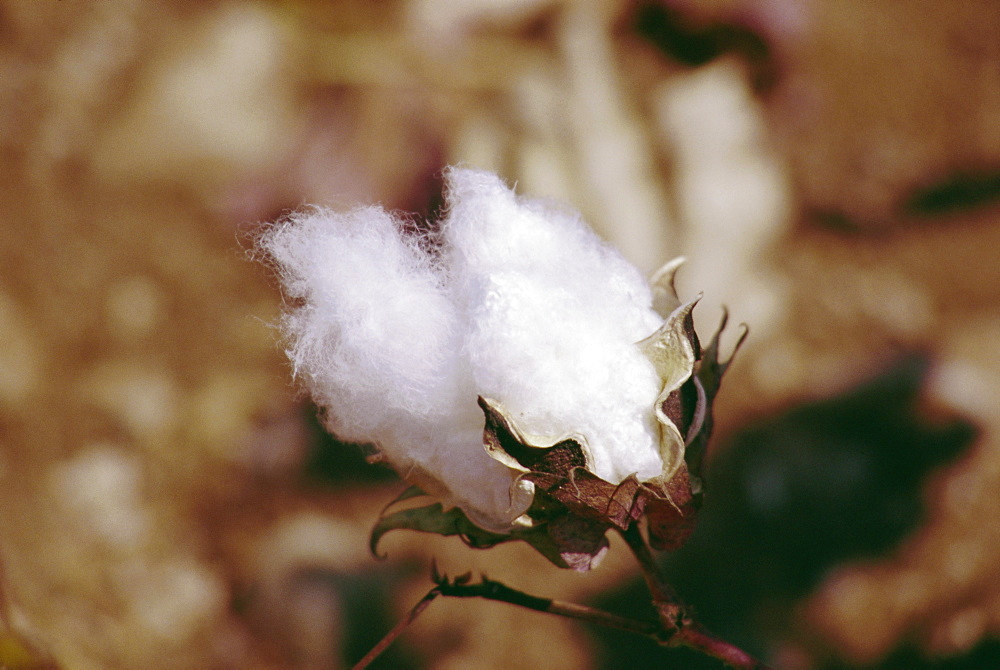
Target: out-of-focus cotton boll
point(514, 299)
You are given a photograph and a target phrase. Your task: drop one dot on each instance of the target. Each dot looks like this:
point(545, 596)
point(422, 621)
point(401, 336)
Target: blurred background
point(830, 168)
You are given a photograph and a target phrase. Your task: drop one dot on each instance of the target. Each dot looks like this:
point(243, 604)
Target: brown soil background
point(152, 507)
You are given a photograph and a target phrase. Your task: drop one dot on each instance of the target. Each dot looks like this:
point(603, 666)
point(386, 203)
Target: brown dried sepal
point(577, 506)
point(671, 511)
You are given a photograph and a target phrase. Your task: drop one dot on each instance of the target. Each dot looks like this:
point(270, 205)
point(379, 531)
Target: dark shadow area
point(368, 614)
point(692, 44)
point(961, 192)
point(332, 461)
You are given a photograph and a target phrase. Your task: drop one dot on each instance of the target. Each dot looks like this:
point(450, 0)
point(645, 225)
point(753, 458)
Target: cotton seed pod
point(509, 312)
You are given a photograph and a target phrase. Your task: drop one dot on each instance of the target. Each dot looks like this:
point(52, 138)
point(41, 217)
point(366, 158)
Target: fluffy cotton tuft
point(514, 299)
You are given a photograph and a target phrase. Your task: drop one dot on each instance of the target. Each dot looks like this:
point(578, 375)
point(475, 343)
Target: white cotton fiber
point(374, 324)
point(515, 299)
point(553, 318)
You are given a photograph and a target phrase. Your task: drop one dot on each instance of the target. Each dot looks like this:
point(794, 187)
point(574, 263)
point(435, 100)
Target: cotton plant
point(525, 379)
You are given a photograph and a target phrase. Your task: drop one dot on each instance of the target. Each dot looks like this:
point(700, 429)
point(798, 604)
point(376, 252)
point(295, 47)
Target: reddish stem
point(679, 627)
point(695, 637)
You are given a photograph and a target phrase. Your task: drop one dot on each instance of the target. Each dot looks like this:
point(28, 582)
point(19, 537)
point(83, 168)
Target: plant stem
point(398, 629)
point(678, 626)
point(658, 587)
point(492, 590)
point(694, 636)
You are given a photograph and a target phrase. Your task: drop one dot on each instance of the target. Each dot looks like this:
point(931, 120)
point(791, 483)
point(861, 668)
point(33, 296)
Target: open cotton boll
point(516, 300)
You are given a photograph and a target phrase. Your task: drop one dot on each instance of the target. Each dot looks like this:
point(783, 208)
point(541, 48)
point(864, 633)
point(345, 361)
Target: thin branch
point(696, 637)
point(661, 591)
point(492, 590)
point(398, 629)
point(676, 626)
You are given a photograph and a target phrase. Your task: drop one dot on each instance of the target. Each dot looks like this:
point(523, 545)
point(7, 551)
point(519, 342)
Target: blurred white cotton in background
point(731, 190)
point(396, 334)
point(613, 151)
point(197, 107)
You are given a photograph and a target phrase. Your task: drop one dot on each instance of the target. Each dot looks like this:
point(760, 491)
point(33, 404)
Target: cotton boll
point(516, 300)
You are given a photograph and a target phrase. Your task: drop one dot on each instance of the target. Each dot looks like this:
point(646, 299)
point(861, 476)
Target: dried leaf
point(559, 470)
point(505, 443)
point(591, 497)
point(709, 373)
point(665, 299)
point(581, 542)
point(552, 538)
point(671, 510)
point(569, 498)
point(673, 350)
point(433, 519)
